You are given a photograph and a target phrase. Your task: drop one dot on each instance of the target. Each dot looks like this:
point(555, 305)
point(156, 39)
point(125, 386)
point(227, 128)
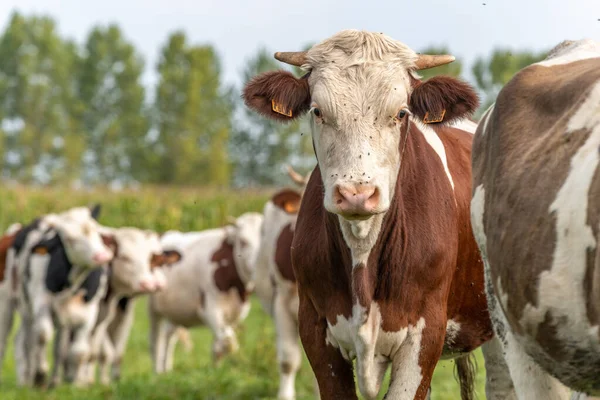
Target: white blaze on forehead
point(436, 143)
point(571, 51)
point(561, 288)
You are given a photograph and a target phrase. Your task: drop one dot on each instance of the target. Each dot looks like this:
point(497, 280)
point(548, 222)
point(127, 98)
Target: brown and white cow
point(387, 268)
point(536, 217)
point(275, 283)
point(209, 286)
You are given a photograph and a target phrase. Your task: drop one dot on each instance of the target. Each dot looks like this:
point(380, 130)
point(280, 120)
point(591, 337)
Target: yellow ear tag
point(432, 119)
point(280, 109)
point(291, 207)
point(41, 250)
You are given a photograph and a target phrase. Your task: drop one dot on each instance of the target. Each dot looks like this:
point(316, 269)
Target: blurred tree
point(112, 105)
point(191, 117)
point(260, 148)
point(492, 73)
point(37, 101)
point(453, 69)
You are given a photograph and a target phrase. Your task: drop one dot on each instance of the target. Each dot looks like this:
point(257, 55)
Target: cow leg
point(170, 347)
point(158, 339)
point(108, 354)
point(21, 353)
point(334, 374)
point(413, 365)
point(7, 310)
point(225, 341)
point(61, 343)
point(43, 332)
point(119, 334)
point(498, 384)
point(288, 350)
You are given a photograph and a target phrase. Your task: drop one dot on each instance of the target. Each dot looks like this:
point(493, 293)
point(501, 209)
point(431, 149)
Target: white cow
point(210, 285)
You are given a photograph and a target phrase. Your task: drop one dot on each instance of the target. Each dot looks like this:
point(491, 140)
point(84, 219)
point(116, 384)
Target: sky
point(237, 28)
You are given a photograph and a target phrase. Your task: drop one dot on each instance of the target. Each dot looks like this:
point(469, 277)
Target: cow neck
point(372, 261)
point(109, 273)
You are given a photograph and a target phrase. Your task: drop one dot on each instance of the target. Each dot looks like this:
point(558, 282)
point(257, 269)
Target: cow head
point(139, 257)
point(243, 233)
point(81, 236)
point(362, 93)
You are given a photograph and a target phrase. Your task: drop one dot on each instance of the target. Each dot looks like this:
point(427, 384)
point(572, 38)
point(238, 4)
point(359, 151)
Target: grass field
point(249, 374)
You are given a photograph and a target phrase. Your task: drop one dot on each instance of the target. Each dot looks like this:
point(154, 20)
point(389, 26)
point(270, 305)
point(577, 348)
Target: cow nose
point(102, 257)
point(356, 200)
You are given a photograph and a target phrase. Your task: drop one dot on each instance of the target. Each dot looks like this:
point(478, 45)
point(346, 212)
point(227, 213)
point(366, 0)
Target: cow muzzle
point(153, 282)
point(356, 202)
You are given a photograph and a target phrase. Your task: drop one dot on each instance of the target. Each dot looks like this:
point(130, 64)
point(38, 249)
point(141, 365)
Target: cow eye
point(317, 112)
point(402, 113)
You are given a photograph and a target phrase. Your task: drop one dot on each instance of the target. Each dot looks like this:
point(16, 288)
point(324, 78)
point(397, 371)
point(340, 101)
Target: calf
point(79, 229)
point(210, 285)
point(387, 269)
point(536, 216)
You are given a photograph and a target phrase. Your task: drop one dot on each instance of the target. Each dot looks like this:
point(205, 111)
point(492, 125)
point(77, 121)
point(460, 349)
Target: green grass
point(249, 374)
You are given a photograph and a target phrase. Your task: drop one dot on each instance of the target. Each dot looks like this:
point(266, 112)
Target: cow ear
point(442, 100)
point(278, 95)
point(46, 246)
point(95, 211)
point(288, 200)
point(171, 256)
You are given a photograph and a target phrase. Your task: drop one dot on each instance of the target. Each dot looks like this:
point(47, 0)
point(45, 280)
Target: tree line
point(74, 112)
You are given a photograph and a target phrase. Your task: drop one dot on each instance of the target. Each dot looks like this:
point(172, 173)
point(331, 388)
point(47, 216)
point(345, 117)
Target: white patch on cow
point(477, 210)
point(560, 289)
point(452, 331)
point(436, 144)
point(374, 349)
point(571, 51)
point(485, 119)
point(465, 124)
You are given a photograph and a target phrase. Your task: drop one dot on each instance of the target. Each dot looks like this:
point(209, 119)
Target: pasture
point(249, 374)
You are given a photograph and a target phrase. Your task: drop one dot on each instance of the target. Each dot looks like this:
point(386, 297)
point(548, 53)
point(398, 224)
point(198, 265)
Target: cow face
point(244, 235)
point(80, 234)
point(139, 256)
point(362, 94)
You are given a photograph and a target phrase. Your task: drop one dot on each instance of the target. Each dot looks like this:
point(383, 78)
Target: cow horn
point(296, 177)
point(426, 61)
point(297, 58)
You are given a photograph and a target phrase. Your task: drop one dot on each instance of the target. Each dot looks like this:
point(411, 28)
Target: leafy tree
point(191, 116)
point(260, 148)
point(112, 112)
point(493, 73)
point(37, 101)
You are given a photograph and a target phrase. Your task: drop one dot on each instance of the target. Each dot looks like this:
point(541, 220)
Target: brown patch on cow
point(530, 147)
point(548, 338)
point(283, 253)
point(443, 96)
point(288, 200)
point(361, 286)
point(111, 242)
point(285, 367)
point(202, 299)
point(226, 275)
point(167, 257)
point(591, 282)
point(6, 243)
point(282, 88)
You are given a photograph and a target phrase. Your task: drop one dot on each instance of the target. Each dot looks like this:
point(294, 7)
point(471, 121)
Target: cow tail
point(466, 372)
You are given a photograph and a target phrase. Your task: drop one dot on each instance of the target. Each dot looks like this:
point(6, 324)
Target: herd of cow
point(420, 235)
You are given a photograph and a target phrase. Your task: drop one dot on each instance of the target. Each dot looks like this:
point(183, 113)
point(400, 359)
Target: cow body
point(536, 219)
point(387, 269)
point(275, 283)
point(207, 287)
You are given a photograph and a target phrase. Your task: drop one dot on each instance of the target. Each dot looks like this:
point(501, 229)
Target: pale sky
point(237, 28)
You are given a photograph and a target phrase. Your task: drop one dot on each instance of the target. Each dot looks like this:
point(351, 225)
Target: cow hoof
point(39, 380)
